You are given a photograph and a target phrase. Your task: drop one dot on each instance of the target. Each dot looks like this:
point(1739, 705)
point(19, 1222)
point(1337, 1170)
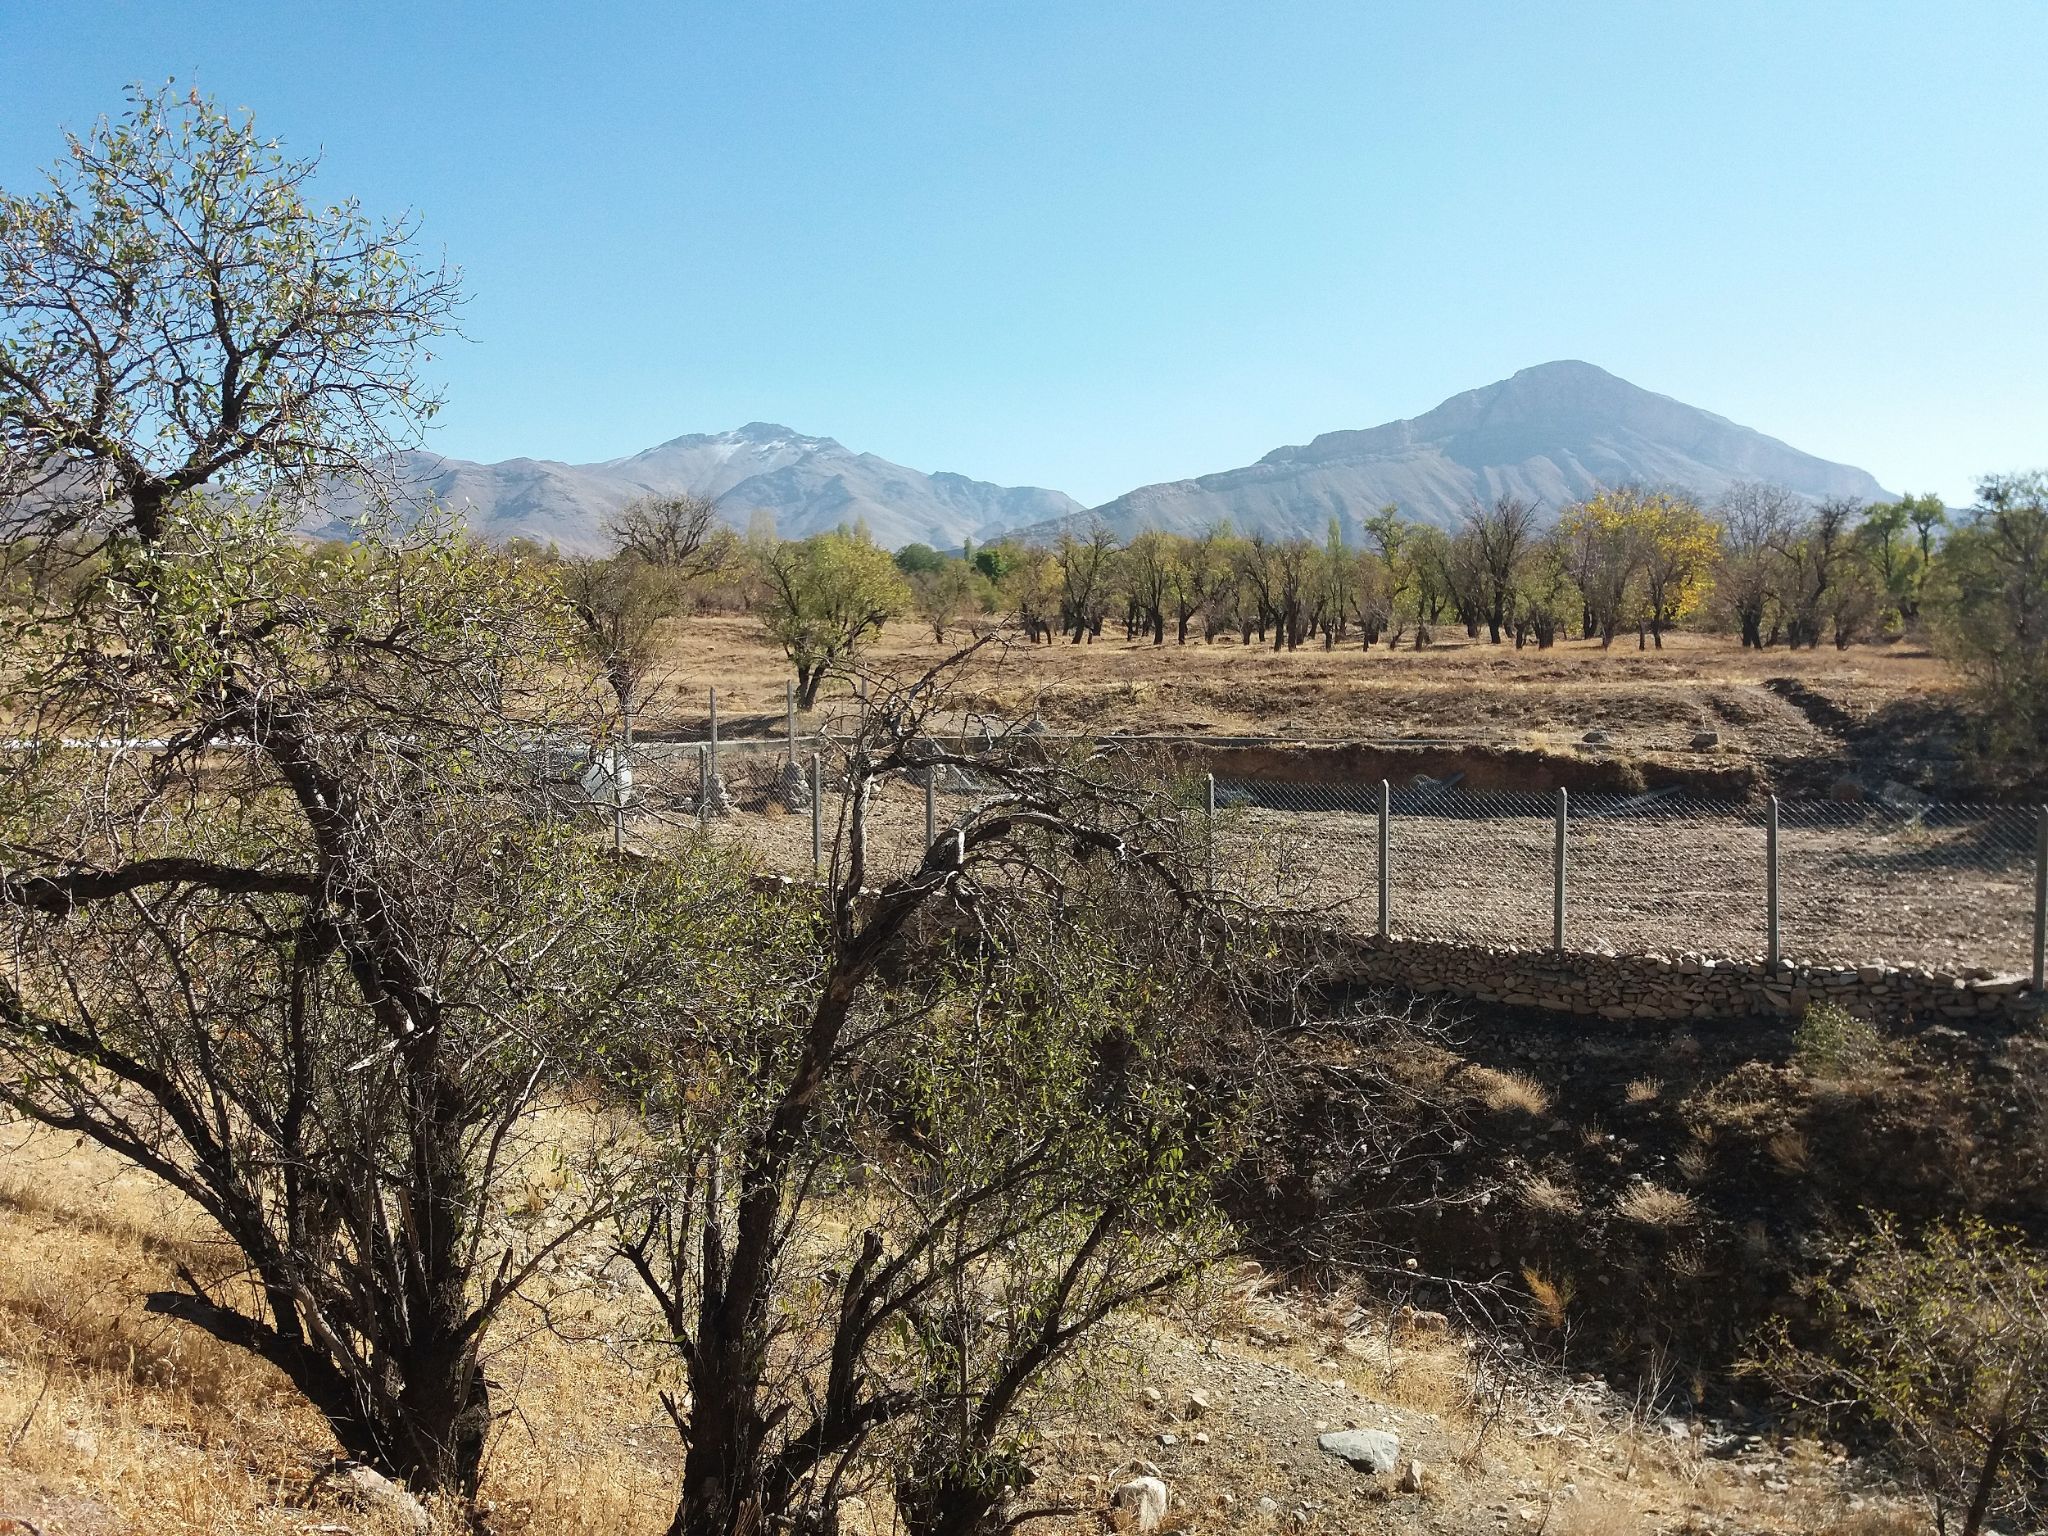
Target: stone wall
point(1679, 986)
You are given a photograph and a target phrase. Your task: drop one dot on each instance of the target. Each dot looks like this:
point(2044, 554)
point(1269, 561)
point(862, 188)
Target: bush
point(1944, 1345)
point(1832, 1043)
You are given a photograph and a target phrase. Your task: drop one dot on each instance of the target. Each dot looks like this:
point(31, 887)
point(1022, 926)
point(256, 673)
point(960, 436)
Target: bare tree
point(175, 312)
point(1087, 570)
point(1815, 549)
point(310, 961)
point(1009, 1090)
point(680, 536)
point(1502, 530)
point(1755, 521)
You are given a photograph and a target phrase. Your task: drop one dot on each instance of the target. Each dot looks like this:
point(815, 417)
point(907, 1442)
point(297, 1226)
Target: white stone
point(375, 1494)
point(1146, 1497)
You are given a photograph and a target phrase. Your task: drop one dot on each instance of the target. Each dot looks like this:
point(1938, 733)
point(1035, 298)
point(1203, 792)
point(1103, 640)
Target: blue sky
point(1093, 245)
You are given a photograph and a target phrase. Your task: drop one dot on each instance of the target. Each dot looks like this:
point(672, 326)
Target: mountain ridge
point(808, 484)
point(1553, 433)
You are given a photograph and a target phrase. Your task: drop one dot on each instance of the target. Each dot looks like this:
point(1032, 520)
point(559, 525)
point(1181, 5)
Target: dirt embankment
point(1649, 1196)
point(1485, 768)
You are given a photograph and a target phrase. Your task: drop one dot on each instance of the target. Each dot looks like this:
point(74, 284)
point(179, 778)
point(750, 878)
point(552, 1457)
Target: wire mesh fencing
point(1899, 880)
point(1949, 887)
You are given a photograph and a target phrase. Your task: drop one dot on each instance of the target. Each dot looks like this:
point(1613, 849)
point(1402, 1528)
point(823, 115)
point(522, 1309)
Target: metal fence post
point(817, 814)
point(1386, 857)
point(1771, 885)
point(931, 806)
point(789, 715)
point(703, 789)
point(1209, 841)
point(2040, 898)
point(714, 744)
point(1557, 895)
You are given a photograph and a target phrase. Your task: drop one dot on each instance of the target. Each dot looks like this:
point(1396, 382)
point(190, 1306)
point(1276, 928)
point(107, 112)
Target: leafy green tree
point(823, 598)
point(946, 591)
point(912, 559)
point(1991, 607)
point(1929, 517)
point(1890, 549)
point(176, 311)
point(995, 561)
point(1945, 1343)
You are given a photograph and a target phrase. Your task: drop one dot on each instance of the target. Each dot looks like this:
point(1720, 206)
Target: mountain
point(808, 483)
point(1552, 433)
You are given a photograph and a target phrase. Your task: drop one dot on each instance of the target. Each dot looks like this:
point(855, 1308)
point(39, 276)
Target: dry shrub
point(1552, 1197)
point(1645, 1090)
point(1503, 1091)
point(1790, 1152)
point(1652, 1205)
point(1552, 1297)
point(1696, 1162)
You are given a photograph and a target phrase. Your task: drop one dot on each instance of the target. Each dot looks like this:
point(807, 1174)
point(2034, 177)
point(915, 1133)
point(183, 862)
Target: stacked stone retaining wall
point(1683, 985)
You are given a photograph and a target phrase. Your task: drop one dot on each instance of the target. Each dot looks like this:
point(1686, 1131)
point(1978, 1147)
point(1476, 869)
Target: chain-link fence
point(1948, 886)
point(1899, 881)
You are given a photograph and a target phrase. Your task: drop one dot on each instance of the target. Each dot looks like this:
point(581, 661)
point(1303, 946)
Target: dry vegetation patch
point(114, 1422)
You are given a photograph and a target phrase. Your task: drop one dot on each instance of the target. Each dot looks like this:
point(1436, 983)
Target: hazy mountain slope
point(807, 483)
point(1552, 433)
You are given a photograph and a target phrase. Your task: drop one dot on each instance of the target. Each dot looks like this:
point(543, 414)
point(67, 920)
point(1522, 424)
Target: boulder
point(1411, 1477)
point(793, 786)
point(1596, 738)
point(1377, 1451)
point(375, 1494)
point(1903, 797)
point(1144, 1499)
point(1703, 741)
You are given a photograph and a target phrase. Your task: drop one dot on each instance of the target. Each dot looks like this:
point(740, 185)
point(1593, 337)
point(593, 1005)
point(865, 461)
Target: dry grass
point(1552, 1197)
point(1599, 1517)
point(1507, 1091)
point(115, 1421)
point(1789, 1150)
point(1696, 1161)
point(1879, 1520)
point(1552, 1298)
point(1652, 1205)
point(1644, 1090)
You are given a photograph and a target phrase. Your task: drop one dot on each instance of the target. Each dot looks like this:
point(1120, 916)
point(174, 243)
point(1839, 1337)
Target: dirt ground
point(116, 1423)
point(1800, 718)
